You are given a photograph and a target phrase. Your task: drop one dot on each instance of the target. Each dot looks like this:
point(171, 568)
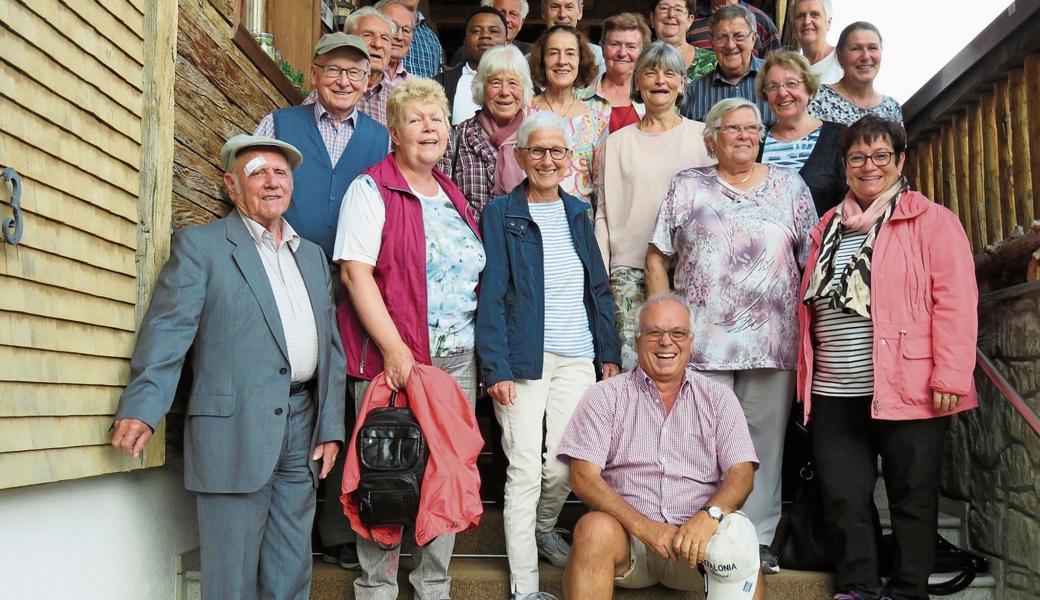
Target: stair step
point(488, 579)
point(950, 526)
point(983, 588)
point(489, 538)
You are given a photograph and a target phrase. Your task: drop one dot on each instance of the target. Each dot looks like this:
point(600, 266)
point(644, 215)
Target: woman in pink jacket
point(888, 325)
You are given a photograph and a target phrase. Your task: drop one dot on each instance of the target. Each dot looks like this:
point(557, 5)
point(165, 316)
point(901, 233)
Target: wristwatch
point(714, 512)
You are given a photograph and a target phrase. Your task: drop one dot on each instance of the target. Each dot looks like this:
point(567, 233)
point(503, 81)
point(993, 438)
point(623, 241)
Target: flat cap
point(241, 142)
point(330, 41)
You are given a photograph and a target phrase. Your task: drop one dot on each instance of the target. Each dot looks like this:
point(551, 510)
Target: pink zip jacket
point(924, 309)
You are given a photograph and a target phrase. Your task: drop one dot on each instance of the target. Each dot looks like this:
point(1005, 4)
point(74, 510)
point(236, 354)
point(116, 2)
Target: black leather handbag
point(392, 454)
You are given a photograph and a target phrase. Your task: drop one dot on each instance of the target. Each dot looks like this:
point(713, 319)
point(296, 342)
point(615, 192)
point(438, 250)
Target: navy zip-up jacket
point(511, 305)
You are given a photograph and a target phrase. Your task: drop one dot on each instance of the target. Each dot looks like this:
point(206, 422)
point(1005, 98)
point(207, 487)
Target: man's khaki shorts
point(646, 568)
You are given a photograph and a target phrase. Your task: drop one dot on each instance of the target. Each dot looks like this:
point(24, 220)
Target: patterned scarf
point(849, 291)
point(503, 138)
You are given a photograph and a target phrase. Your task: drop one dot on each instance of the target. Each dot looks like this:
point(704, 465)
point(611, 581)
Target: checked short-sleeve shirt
point(666, 466)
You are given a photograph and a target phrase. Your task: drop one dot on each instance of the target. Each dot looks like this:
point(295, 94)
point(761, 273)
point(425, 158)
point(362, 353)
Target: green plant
point(295, 77)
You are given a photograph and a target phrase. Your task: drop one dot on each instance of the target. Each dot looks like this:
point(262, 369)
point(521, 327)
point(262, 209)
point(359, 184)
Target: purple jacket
point(400, 271)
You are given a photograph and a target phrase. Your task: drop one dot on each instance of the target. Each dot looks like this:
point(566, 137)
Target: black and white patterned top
point(829, 105)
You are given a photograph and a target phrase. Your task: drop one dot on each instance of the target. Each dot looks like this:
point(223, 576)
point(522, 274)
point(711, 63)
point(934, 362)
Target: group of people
point(640, 252)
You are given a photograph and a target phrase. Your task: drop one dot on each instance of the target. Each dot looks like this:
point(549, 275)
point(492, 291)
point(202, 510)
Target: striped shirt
point(336, 135)
point(425, 56)
point(666, 465)
point(791, 154)
point(703, 93)
point(567, 330)
point(290, 295)
point(843, 343)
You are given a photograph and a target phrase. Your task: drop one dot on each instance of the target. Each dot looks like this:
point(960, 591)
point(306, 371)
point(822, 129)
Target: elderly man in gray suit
point(250, 300)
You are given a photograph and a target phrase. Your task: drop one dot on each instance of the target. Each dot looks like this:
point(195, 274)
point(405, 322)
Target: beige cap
point(331, 41)
point(242, 142)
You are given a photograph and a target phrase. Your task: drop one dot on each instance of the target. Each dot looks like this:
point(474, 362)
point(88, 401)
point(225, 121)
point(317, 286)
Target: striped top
point(843, 343)
point(567, 330)
point(791, 154)
point(703, 93)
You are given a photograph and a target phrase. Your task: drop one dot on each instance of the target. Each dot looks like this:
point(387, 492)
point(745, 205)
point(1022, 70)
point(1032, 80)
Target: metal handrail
point(1007, 390)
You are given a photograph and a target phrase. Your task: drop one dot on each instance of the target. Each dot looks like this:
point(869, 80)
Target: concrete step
point(950, 527)
point(983, 588)
point(488, 579)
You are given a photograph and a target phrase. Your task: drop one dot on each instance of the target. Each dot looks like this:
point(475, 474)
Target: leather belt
point(296, 389)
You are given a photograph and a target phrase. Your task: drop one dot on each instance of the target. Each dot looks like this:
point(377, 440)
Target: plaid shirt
point(425, 57)
point(767, 40)
point(336, 135)
point(373, 101)
point(470, 161)
point(665, 465)
point(701, 94)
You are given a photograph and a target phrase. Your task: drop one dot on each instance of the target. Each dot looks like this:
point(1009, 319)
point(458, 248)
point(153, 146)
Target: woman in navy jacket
point(545, 329)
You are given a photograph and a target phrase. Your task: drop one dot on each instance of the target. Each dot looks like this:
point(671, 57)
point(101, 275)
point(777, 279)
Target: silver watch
point(714, 512)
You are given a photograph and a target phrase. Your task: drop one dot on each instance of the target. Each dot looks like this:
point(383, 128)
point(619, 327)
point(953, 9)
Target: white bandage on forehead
point(255, 164)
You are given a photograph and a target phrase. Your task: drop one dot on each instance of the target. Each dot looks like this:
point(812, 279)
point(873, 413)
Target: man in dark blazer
point(250, 300)
point(485, 29)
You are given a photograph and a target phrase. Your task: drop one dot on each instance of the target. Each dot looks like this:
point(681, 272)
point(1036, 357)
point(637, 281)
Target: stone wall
point(993, 462)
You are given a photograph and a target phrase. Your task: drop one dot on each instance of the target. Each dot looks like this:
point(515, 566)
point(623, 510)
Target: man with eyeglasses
point(338, 142)
point(404, 20)
point(568, 13)
point(663, 457)
point(732, 37)
point(378, 31)
point(767, 39)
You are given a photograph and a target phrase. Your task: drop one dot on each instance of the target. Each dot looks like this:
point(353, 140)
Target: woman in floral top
point(671, 20)
point(854, 96)
point(562, 64)
point(738, 236)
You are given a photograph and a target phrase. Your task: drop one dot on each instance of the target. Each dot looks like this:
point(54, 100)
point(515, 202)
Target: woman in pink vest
point(410, 258)
point(888, 326)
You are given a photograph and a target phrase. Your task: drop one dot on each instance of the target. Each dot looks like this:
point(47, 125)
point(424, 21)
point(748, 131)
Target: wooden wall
point(71, 106)
point(218, 93)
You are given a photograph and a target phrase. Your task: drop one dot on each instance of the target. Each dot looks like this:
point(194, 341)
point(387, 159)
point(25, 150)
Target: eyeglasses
point(789, 85)
point(733, 130)
point(556, 152)
point(879, 159)
point(675, 9)
point(738, 38)
point(676, 334)
point(334, 72)
point(405, 30)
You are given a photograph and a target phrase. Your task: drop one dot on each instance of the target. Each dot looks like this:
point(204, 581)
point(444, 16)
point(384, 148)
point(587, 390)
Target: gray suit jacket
point(213, 299)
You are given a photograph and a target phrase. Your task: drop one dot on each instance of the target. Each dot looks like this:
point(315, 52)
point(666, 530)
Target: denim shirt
point(510, 308)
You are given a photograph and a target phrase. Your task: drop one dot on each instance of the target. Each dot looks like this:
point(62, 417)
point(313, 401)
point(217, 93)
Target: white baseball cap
point(731, 560)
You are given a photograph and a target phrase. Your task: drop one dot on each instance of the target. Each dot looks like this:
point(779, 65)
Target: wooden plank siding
point(72, 81)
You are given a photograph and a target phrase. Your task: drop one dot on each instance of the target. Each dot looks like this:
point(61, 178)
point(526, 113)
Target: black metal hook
point(12, 227)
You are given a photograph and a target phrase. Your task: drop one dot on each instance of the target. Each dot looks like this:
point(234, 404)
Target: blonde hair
point(417, 89)
point(792, 61)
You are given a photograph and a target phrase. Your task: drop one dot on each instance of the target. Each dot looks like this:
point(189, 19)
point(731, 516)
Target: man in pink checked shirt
point(663, 458)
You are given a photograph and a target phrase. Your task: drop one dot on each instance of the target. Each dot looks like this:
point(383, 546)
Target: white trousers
point(537, 484)
point(766, 396)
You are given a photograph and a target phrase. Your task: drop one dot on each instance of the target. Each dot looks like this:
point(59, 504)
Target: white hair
point(721, 108)
point(351, 23)
point(543, 119)
point(524, 7)
point(503, 59)
point(826, 6)
point(657, 299)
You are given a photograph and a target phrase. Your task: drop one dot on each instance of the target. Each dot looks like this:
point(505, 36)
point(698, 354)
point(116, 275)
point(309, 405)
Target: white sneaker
point(554, 549)
point(534, 596)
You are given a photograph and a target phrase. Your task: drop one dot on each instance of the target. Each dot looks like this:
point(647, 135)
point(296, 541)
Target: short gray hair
point(542, 119)
point(826, 6)
point(524, 7)
point(382, 4)
point(733, 11)
point(500, 59)
point(659, 55)
point(658, 298)
point(351, 23)
point(721, 108)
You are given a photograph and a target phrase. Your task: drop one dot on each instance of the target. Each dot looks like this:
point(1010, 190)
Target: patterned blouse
point(828, 105)
point(588, 131)
point(738, 261)
point(704, 62)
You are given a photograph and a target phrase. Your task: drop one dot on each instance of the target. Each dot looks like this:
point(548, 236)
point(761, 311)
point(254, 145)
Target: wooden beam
point(1019, 128)
point(951, 185)
point(1032, 100)
point(969, 148)
point(1004, 172)
point(991, 166)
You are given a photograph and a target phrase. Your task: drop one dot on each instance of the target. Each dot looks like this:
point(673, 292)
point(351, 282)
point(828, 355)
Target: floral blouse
point(588, 131)
point(829, 105)
point(738, 258)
